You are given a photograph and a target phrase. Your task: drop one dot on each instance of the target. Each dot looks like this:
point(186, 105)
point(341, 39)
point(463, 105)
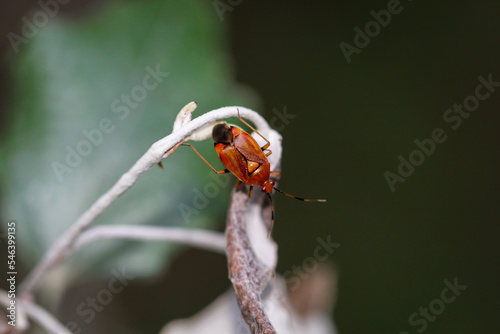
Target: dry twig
point(251, 253)
point(252, 256)
point(184, 129)
point(248, 275)
point(209, 240)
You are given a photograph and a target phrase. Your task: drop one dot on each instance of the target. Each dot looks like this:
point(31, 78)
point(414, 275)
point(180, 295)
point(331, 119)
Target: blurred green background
point(351, 122)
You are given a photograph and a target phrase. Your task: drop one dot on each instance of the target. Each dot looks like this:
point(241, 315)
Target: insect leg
point(257, 132)
point(250, 192)
point(224, 171)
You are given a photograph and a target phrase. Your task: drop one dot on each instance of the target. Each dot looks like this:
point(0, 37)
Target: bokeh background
point(351, 122)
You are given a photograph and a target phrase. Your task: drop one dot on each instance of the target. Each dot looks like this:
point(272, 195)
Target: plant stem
point(63, 245)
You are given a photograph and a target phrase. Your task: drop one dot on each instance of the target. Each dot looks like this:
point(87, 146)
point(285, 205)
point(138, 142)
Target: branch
point(246, 273)
point(208, 240)
point(35, 312)
point(44, 318)
point(251, 254)
point(21, 320)
point(184, 130)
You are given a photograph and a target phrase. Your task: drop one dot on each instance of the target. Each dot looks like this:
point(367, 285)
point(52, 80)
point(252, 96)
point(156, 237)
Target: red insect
point(242, 156)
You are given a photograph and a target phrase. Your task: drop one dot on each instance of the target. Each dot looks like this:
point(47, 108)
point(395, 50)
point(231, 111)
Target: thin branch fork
point(37, 313)
point(184, 130)
point(44, 318)
point(251, 254)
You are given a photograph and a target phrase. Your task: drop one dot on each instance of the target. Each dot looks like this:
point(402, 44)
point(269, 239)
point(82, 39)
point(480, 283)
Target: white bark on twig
point(187, 130)
point(35, 312)
point(21, 320)
point(208, 240)
point(44, 318)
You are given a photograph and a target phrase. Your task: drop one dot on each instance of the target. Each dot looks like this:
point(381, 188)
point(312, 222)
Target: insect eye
point(268, 186)
point(221, 133)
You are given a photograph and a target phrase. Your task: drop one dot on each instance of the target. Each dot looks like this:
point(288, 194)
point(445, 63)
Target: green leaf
point(69, 85)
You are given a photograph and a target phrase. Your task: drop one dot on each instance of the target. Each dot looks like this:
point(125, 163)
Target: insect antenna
point(300, 198)
point(272, 215)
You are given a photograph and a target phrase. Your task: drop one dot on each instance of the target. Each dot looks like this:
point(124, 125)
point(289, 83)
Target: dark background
point(352, 122)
